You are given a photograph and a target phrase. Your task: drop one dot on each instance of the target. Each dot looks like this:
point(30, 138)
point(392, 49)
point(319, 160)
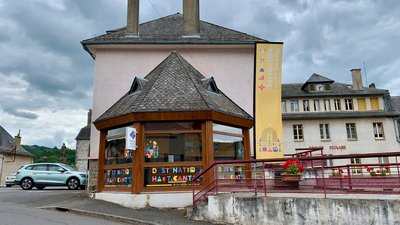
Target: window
point(355, 168)
point(374, 103)
point(294, 105)
point(361, 104)
point(228, 142)
point(316, 105)
point(41, 167)
point(298, 132)
point(378, 130)
point(351, 131)
point(337, 104)
point(283, 105)
point(324, 131)
point(349, 104)
point(327, 105)
point(306, 106)
point(54, 168)
point(173, 142)
point(383, 160)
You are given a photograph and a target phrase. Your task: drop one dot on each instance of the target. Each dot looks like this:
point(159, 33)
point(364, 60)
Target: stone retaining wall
point(298, 210)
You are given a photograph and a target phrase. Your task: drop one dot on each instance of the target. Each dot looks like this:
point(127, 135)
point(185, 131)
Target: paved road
point(19, 207)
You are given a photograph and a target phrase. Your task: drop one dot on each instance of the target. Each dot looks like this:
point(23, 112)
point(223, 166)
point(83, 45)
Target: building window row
point(351, 131)
point(318, 105)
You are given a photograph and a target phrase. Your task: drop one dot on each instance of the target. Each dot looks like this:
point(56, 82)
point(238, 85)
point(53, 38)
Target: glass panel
point(116, 132)
point(172, 147)
point(169, 176)
point(118, 177)
point(116, 152)
point(227, 147)
point(227, 129)
point(173, 126)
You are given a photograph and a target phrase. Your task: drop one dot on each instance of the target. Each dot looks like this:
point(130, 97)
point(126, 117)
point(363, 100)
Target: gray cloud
point(45, 72)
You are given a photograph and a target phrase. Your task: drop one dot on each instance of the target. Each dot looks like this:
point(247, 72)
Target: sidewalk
point(83, 205)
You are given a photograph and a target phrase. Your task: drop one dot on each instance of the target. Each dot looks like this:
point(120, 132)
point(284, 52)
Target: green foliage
point(45, 154)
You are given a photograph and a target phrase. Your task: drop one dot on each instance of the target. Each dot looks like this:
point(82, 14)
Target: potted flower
point(382, 172)
point(293, 170)
point(337, 172)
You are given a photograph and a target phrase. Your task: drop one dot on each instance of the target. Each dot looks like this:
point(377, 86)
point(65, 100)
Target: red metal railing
point(263, 176)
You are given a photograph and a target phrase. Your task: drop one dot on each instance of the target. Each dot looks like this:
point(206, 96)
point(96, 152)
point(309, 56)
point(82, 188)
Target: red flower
point(378, 171)
point(300, 168)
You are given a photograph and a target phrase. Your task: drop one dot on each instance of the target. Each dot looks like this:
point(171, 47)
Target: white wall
point(365, 142)
point(115, 69)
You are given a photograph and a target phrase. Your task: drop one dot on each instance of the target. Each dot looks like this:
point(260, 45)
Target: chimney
point(191, 18)
point(133, 19)
point(17, 140)
point(89, 117)
point(357, 81)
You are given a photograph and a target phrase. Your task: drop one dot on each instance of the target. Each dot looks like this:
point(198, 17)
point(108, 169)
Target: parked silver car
point(40, 175)
point(10, 179)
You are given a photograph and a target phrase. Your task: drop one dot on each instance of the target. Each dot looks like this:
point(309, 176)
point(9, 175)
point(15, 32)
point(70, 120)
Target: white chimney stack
point(357, 81)
point(133, 19)
point(191, 18)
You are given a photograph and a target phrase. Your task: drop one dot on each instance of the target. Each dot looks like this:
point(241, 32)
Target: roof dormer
point(317, 83)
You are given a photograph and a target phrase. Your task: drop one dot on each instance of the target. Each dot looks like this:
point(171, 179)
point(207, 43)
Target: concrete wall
point(115, 69)
point(278, 210)
point(81, 154)
point(93, 172)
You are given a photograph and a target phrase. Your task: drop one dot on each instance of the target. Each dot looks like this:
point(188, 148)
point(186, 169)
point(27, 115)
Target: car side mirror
point(61, 170)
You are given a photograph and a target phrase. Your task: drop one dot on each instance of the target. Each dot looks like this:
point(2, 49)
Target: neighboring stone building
point(83, 145)
point(12, 155)
point(120, 54)
point(343, 118)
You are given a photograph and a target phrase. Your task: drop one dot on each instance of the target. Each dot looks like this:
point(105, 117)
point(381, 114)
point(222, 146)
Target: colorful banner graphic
point(170, 176)
point(267, 101)
point(118, 177)
point(231, 172)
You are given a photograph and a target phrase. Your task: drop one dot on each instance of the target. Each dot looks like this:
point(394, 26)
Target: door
point(56, 177)
point(39, 173)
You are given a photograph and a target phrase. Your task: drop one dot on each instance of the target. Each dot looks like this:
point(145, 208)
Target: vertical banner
point(267, 101)
point(130, 138)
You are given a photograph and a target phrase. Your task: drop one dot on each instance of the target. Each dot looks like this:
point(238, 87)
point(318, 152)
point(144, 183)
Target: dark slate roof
point(337, 89)
point(169, 30)
point(395, 103)
point(7, 144)
point(84, 133)
point(316, 78)
point(173, 86)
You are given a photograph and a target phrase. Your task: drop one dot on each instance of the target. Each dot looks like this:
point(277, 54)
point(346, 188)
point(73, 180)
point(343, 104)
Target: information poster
point(267, 101)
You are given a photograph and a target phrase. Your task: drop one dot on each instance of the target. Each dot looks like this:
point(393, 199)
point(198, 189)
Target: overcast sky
point(46, 77)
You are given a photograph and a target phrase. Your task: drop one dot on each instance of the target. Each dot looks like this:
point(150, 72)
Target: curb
point(123, 219)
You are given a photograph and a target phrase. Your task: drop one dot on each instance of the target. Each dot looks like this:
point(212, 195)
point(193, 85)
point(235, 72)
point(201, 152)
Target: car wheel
point(73, 183)
point(27, 183)
point(40, 187)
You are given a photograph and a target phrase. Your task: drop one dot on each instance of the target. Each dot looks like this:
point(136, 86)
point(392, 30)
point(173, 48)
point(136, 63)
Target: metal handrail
point(214, 180)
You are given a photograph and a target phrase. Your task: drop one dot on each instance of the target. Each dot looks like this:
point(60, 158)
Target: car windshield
point(68, 167)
